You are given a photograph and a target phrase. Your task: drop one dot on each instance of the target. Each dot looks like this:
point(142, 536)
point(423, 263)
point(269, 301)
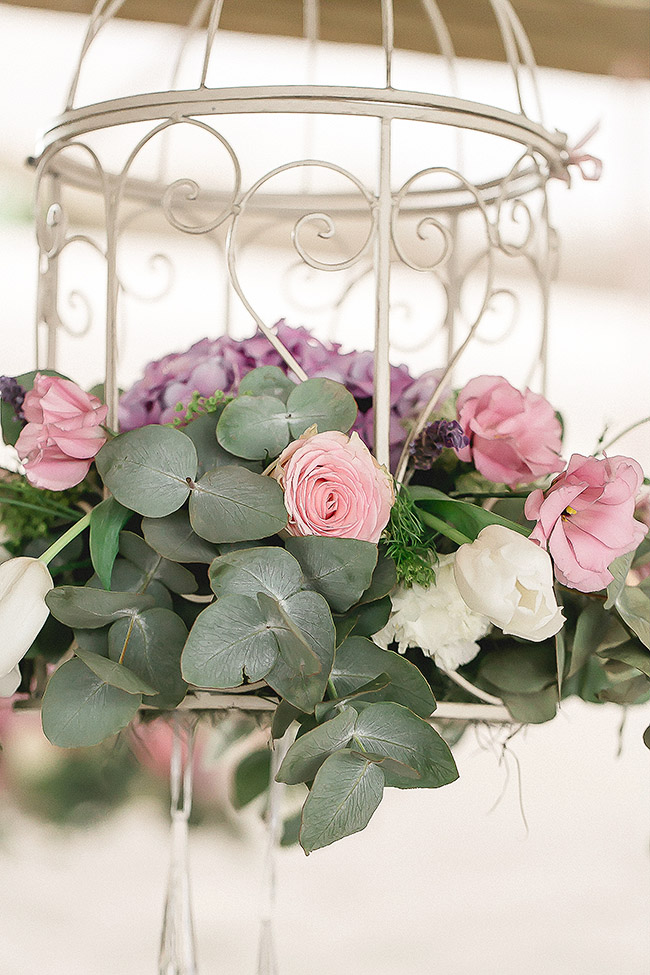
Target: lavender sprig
point(428, 446)
point(12, 393)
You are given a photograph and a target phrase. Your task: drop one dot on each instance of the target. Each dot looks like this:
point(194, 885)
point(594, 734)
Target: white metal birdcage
point(365, 185)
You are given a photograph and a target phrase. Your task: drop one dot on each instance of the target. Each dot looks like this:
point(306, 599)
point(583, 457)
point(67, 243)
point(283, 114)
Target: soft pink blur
point(586, 518)
point(334, 486)
point(515, 437)
point(62, 435)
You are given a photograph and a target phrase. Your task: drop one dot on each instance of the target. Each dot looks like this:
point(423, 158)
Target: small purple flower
point(13, 393)
point(428, 446)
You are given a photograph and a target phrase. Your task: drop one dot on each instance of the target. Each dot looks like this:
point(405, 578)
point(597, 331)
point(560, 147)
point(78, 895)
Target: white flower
point(509, 579)
point(24, 583)
point(436, 619)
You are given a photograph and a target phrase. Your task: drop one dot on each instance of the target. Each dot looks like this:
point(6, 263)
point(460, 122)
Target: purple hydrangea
point(213, 364)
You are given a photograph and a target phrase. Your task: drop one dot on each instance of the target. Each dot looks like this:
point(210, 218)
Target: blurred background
point(536, 860)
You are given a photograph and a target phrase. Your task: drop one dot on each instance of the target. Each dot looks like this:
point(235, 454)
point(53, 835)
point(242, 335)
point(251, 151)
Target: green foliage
point(149, 470)
point(28, 513)
point(199, 406)
point(174, 538)
point(107, 520)
point(232, 504)
point(79, 708)
point(259, 427)
point(87, 608)
point(150, 643)
point(409, 544)
point(458, 520)
point(251, 777)
point(358, 661)
point(340, 569)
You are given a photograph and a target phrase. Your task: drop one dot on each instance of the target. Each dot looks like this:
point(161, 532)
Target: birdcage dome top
point(130, 74)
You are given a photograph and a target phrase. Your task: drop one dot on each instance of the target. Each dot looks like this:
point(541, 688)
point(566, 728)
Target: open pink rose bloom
point(334, 486)
point(586, 518)
point(62, 435)
point(515, 437)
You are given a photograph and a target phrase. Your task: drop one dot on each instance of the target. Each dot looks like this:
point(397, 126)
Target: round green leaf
point(359, 660)
point(267, 569)
point(255, 427)
point(154, 566)
point(127, 577)
point(307, 754)
point(340, 569)
point(229, 637)
point(147, 470)
point(174, 538)
point(267, 381)
point(232, 504)
point(518, 669)
point(323, 402)
point(151, 645)
point(81, 709)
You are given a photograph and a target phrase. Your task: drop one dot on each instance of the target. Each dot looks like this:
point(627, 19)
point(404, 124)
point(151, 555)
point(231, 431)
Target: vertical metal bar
point(453, 287)
point(266, 962)
point(382, 300)
point(388, 37)
point(112, 288)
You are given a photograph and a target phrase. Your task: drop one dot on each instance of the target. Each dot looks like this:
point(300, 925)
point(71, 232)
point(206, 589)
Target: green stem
point(332, 690)
point(46, 508)
point(603, 447)
point(65, 539)
point(488, 494)
point(443, 528)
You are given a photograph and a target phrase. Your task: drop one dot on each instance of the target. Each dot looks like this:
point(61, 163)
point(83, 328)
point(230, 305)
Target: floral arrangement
point(238, 532)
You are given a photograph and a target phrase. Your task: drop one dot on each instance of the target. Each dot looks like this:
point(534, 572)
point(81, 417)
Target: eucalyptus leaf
point(247, 572)
point(398, 771)
point(371, 617)
point(232, 504)
point(174, 538)
point(619, 569)
point(631, 654)
point(107, 520)
point(646, 737)
point(636, 690)
point(154, 566)
point(251, 777)
point(254, 427)
point(340, 569)
point(127, 577)
point(370, 692)
point(148, 469)
point(80, 709)
point(305, 632)
point(323, 403)
point(346, 791)
point(150, 644)
point(267, 381)
point(203, 433)
point(596, 629)
point(532, 708)
point(520, 669)
point(115, 674)
point(393, 731)
point(283, 716)
point(229, 638)
point(307, 754)
point(633, 604)
point(291, 829)
point(83, 607)
point(358, 660)
point(384, 580)
point(95, 641)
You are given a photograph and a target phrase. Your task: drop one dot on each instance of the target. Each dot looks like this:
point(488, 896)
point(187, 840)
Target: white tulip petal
point(10, 683)
point(24, 583)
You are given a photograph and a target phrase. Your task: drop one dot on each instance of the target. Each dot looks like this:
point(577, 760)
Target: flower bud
point(509, 579)
point(24, 583)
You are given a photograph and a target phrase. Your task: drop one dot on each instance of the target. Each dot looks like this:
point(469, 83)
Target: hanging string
point(267, 963)
point(177, 951)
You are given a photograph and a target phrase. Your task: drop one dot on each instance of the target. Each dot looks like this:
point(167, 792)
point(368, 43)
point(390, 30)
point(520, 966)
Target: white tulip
point(24, 583)
point(435, 619)
point(509, 579)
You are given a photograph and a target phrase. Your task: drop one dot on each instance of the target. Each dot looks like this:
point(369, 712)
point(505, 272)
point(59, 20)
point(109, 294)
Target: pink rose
point(334, 486)
point(515, 437)
point(587, 519)
point(62, 435)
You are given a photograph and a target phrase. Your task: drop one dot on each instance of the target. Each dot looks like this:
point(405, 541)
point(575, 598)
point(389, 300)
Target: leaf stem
point(50, 509)
point(65, 539)
point(603, 447)
point(442, 527)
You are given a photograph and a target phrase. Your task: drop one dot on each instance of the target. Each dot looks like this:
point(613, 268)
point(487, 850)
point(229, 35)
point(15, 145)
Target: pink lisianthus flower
point(333, 486)
point(586, 519)
point(515, 437)
point(62, 435)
